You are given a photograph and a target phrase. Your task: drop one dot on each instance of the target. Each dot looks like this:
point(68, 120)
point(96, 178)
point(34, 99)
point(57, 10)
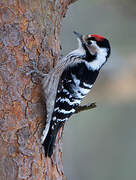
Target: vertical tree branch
point(29, 31)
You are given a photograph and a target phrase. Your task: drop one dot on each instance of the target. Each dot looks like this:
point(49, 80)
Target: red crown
point(97, 37)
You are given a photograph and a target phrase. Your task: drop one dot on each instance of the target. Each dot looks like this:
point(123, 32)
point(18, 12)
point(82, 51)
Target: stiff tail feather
point(51, 139)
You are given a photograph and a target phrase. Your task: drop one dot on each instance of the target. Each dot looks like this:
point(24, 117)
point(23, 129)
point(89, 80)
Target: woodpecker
point(80, 70)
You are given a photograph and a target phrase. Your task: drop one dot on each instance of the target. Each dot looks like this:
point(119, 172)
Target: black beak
point(78, 35)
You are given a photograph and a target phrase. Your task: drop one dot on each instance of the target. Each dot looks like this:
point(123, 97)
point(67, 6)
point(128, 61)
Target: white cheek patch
point(100, 58)
point(93, 48)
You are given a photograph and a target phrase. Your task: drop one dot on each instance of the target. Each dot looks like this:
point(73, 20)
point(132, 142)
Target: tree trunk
point(29, 31)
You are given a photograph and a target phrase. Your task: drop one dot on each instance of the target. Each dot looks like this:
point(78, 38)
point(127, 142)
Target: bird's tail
point(51, 139)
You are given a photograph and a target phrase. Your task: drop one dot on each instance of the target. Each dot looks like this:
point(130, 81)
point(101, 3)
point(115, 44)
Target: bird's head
point(95, 47)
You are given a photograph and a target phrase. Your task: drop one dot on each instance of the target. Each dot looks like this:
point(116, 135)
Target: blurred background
point(100, 144)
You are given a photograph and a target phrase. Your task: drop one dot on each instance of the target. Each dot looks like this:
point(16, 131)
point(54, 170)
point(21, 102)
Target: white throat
point(97, 63)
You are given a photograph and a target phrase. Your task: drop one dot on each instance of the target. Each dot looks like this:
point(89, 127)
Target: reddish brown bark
point(29, 31)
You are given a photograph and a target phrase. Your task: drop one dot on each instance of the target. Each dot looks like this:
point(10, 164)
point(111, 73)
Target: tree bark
point(29, 31)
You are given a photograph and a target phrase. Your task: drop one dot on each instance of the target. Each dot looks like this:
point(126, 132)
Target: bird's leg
point(85, 107)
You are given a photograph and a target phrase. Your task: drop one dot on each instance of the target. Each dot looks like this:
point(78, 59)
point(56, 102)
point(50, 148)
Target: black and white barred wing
point(50, 87)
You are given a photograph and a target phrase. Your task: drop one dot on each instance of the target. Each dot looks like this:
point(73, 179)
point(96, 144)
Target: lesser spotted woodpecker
point(80, 70)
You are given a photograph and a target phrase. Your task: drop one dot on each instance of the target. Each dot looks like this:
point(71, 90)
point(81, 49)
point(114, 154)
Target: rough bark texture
point(29, 31)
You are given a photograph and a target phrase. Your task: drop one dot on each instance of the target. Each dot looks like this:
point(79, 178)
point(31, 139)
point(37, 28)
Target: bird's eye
point(89, 42)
